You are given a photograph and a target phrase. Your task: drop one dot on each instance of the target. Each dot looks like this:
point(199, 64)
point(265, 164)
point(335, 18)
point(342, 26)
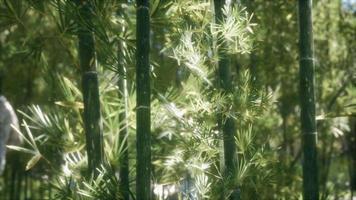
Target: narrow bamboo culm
point(90, 87)
point(307, 102)
point(227, 125)
point(123, 134)
point(143, 132)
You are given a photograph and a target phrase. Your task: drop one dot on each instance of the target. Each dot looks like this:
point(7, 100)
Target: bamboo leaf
point(25, 150)
point(69, 104)
point(33, 161)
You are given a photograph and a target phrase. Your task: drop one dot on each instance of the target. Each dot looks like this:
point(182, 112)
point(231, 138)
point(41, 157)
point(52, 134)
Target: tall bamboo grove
point(90, 87)
point(227, 125)
point(307, 102)
point(143, 111)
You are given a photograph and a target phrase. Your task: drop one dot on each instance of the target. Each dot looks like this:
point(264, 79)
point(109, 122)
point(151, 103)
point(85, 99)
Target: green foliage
point(39, 60)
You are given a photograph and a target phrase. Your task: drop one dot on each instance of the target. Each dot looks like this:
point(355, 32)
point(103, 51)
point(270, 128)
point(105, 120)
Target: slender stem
point(123, 134)
point(90, 87)
point(352, 153)
point(307, 102)
point(92, 121)
point(143, 111)
point(227, 124)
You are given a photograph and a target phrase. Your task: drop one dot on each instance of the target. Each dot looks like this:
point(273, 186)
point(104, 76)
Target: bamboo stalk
point(307, 102)
point(124, 185)
point(123, 134)
point(90, 87)
point(143, 132)
point(227, 125)
point(352, 153)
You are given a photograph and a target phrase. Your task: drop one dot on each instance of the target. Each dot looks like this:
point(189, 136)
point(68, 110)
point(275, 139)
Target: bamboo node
point(307, 58)
point(91, 72)
point(143, 7)
point(143, 107)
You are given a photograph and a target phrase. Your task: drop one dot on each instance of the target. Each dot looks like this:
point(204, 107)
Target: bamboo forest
point(177, 99)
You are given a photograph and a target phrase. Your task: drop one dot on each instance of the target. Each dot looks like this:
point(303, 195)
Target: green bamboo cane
point(123, 134)
point(307, 102)
point(124, 184)
point(143, 132)
point(225, 83)
point(352, 153)
point(90, 87)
